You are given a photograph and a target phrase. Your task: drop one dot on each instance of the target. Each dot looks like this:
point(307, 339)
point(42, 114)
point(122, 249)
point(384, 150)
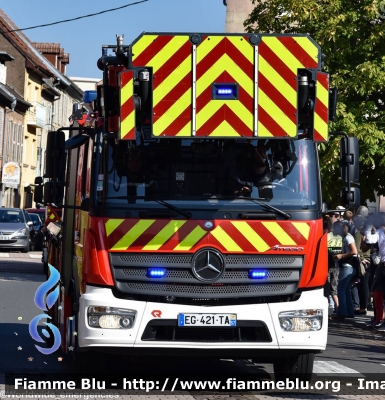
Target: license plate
point(229, 320)
point(5, 238)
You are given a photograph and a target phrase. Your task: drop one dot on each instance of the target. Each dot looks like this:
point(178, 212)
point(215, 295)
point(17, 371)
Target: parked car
point(37, 238)
point(40, 211)
point(15, 229)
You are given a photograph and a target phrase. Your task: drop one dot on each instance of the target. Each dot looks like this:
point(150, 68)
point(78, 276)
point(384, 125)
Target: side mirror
point(30, 223)
point(38, 191)
point(349, 162)
point(350, 198)
point(332, 104)
point(55, 156)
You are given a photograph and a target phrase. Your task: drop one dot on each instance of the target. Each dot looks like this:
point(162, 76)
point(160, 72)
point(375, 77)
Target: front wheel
point(300, 366)
point(25, 249)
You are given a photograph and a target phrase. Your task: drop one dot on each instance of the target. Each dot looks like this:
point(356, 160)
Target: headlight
point(20, 232)
point(301, 320)
point(110, 317)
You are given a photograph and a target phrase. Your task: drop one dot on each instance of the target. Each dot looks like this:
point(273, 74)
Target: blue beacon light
point(225, 91)
point(257, 274)
point(156, 272)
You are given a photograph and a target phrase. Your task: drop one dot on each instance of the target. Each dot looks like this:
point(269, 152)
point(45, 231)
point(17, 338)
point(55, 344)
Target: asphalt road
point(352, 349)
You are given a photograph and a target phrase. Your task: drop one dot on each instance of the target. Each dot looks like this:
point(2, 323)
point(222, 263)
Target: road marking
point(332, 367)
point(383, 365)
point(5, 255)
point(35, 255)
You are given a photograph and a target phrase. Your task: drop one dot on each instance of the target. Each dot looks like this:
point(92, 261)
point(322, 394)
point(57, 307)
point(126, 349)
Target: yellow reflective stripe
point(283, 53)
point(213, 106)
point(262, 131)
point(208, 111)
point(133, 234)
point(127, 124)
point(52, 216)
point(279, 233)
point(277, 81)
point(161, 238)
point(142, 45)
point(279, 116)
point(249, 233)
point(224, 64)
point(224, 129)
point(192, 238)
point(303, 228)
point(112, 224)
point(243, 46)
point(308, 46)
point(206, 46)
point(321, 126)
point(225, 240)
point(186, 130)
point(322, 95)
point(167, 52)
point(174, 111)
point(126, 92)
point(172, 80)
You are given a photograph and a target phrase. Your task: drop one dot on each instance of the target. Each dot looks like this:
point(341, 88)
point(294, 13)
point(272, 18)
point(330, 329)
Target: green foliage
point(351, 35)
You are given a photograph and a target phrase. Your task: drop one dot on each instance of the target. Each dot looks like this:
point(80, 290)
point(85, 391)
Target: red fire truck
point(192, 205)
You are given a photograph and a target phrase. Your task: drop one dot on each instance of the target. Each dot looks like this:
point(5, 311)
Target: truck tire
point(293, 367)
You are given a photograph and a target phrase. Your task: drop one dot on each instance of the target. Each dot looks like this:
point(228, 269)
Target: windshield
point(208, 173)
point(11, 216)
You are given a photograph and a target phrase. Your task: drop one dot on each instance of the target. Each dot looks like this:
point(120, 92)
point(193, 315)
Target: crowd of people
point(356, 264)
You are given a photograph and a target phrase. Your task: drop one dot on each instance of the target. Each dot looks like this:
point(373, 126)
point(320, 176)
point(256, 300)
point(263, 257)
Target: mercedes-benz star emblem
point(208, 265)
point(208, 225)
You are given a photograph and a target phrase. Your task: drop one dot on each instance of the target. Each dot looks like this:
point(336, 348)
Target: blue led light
point(257, 274)
point(225, 91)
point(156, 273)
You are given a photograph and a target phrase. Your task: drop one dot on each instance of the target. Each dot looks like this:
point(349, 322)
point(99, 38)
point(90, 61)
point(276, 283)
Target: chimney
point(237, 12)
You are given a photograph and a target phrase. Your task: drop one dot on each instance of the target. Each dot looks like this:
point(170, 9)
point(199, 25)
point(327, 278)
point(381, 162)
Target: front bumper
point(20, 242)
point(267, 314)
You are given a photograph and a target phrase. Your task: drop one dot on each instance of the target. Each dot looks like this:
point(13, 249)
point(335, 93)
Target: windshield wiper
point(266, 206)
point(174, 208)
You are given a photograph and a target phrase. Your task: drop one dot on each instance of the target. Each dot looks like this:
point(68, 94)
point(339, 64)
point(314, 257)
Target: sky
point(83, 39)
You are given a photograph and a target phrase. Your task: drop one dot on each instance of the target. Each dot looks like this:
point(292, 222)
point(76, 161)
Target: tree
point(351, 34)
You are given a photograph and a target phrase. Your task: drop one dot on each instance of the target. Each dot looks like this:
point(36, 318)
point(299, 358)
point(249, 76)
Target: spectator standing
point(348, 219)
point(364, 256)
point(378, 279)
point(346, 272)
point(362, 211)
point(335, 247)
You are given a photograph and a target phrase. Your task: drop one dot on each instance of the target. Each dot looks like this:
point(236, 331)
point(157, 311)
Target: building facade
point(38, 78)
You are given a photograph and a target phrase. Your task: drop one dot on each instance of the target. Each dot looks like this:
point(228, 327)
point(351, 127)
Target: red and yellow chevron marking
point(52, 215)
point(188, 236)
point(321, 107)
point(171, 60)
point(279, 58)
point(127, 107)
point(225, 60)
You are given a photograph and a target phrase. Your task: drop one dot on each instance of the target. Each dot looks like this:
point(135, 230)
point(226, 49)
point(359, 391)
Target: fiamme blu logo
point(45, 297)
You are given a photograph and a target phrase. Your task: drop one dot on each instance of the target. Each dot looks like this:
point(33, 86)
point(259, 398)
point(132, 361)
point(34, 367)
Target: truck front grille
point(130, 274)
